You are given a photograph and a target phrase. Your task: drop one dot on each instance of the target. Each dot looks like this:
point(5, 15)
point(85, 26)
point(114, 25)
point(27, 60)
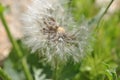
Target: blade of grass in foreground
point(96, 20)
point(3, 75)
point(15, 45)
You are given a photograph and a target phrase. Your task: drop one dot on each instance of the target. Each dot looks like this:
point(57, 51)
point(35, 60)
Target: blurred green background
point(102, 63)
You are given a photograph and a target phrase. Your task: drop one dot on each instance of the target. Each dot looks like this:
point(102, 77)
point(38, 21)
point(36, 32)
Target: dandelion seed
point(50, 30)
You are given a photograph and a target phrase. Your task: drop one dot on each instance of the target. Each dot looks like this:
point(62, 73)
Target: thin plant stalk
point(100, 18)
point(3, 75)
point(96, 20)
point(55, 76)
point(17, 48)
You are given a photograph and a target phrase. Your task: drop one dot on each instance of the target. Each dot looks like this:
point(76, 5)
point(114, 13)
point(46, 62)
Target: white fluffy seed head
point(50, 30)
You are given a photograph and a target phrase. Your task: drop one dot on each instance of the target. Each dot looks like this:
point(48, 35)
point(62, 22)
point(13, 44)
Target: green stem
point(104, 13)
point(55, 76)
point(26, 69)
point(17, 48)
point(3, 75)
point(96, 20)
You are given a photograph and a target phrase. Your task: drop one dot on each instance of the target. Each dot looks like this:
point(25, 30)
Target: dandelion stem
point(3, 75)
point(16, 47)
point(55, 76)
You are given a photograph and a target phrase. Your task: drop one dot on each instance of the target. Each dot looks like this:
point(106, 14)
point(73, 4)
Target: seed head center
point(60, 30)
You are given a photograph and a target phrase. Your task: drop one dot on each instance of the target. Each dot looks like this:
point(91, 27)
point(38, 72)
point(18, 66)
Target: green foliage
point(102, 64)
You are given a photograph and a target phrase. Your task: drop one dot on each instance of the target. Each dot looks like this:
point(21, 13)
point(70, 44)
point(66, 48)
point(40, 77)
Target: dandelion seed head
point(50, 30)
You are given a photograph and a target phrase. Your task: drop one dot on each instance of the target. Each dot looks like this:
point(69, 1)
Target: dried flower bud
point(50, 30)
